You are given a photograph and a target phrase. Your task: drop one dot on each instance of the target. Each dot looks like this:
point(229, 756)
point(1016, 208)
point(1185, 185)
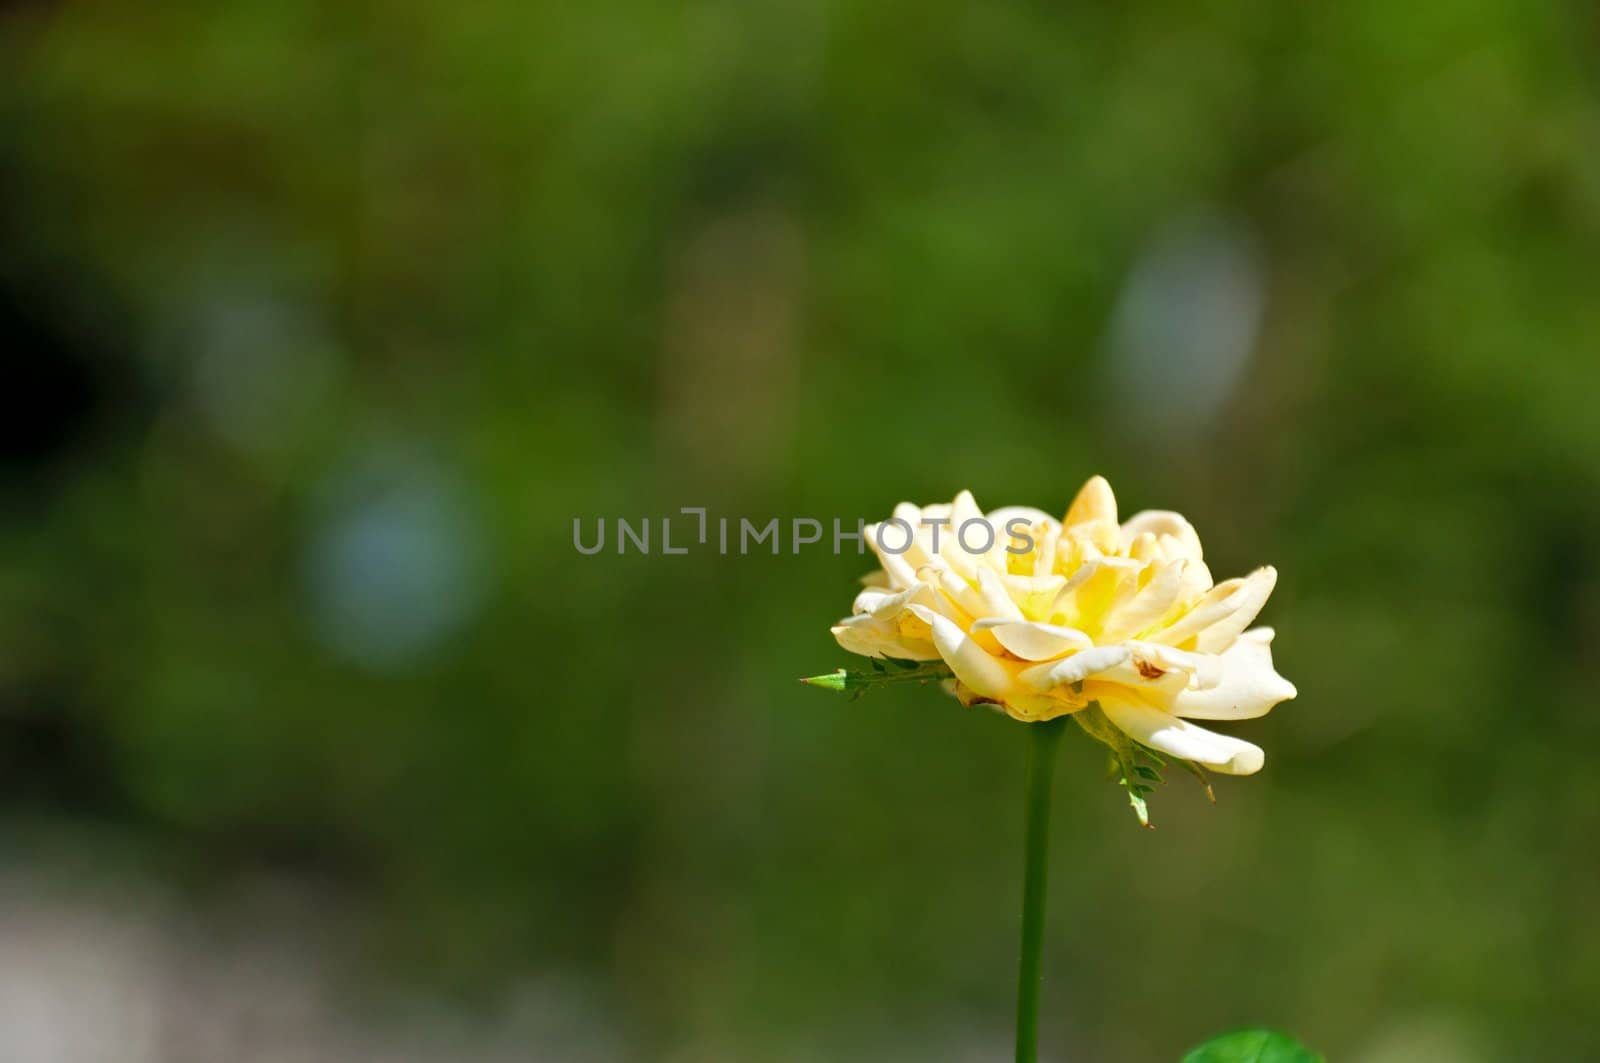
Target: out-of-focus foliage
point(1251, 1046)
point(328, 320)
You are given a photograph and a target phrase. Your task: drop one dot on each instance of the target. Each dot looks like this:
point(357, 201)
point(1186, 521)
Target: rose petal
point(1249, 685)
point(1032, 640)
point(963, 595)
point(1092, 590)
point(1073, 669)
point(884, 604)
point(1143, 609)
point(1224, 612)
point(1164, 525)
point(1155, 685)
point(1042, 532)
point(963, 509)
point(897, 566)
point(1249, 600)
point(1196, 580)
point(1203, 670)
point(1094, 502)
point(1166, 733)
point(1034, 595)
point(976, 669)
point(994, 594)
point(870, 636)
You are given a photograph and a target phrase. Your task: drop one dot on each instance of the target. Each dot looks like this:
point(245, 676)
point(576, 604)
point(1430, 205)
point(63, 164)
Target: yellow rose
point(1041, 617)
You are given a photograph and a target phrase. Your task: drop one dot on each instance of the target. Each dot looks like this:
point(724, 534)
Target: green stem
point(1044, 740)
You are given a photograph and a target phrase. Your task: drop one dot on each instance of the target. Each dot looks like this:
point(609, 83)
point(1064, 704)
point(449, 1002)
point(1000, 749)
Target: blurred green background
point(324, 322)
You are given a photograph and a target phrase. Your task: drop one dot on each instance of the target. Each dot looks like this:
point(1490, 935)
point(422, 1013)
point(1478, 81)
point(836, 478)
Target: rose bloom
point(1124, 615)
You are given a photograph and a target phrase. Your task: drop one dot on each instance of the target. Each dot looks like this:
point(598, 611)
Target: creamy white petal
point(1142, 609)
point(1040, 538)
point(1208, 610)
point(964, 595)
point(1090, 590)
point(995, 595)
point(910, 516)
point(1034, 595)
point(1164, 523)
point(963, 509)
point(1249, 685)
point(981, 540)
point(1196, 580)
point(1144, 548)
point(1081, 575)
point(897, 566)
point(1032, 640)
point(887, 603)
point(976, 669)
point(1168, 734)
point(1095, 502)
point(1228, 607)
point(1203, 670)
point(936, 536)
point(1247, 602)
point(1044, 551)
point(949, 518)
point(869, 636)
point(1074, 669)
point(1155, 685)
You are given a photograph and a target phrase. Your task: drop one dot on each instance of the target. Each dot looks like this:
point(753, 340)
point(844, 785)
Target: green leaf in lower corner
point(1252, 1046)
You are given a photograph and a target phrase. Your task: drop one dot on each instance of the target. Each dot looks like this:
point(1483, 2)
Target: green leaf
point(1252, 1046)
point(1140, 808)
point(838, 679)
point(853, 682)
